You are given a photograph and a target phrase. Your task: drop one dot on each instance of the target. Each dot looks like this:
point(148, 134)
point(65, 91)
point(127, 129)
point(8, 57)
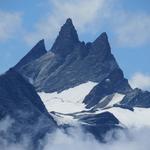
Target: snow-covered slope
point(137, 118)
point(67, 101)
point(69, 105)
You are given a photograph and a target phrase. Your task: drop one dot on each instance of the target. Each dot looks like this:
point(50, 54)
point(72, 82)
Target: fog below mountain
point(134, 139)
point(75, 138)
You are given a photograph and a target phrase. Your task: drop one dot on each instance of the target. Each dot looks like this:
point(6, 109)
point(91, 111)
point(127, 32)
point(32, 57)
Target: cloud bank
point(134, 139)
point(131, 139)
point(140, 80)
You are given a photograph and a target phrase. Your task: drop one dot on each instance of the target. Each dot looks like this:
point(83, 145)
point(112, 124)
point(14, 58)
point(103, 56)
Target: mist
point(75, 138)
point(131, 139)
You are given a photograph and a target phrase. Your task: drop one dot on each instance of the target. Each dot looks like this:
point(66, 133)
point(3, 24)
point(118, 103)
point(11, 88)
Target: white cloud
point(75, 138)
point(5, 136)
point(140, 80)
point(10, 24)
point(132, 29)
point(86, 15)
point(133, 139)
point(129, 29)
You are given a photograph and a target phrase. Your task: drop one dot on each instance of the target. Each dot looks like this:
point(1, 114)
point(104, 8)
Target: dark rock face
point(37, 51)
point(74, 70)
point(71, 62)
point(66, 40)
point(21, 103)
point(113, 83)
point(100, 124)
point(137, 98)
point(103, 119)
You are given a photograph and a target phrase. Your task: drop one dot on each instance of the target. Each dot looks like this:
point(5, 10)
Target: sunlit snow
point(116, 99)
point(138, 118)
point(68, 101)
point(71, 101)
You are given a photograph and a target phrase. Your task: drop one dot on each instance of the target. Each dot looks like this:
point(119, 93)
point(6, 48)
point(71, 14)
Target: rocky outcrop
point(137, 98)
point(66, 40)
point(114, 83)
point(20, 102)
point(37, 51)
point(100, 124)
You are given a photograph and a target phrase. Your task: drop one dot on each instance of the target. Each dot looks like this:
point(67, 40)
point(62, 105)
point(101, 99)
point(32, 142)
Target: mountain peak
point(66, 40)
point(37, 51)
point(39, 47)
point(102, 38)
point(69, 21)
point(101, 46)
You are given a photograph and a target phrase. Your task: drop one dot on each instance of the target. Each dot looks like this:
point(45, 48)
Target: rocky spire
point(66, 39)
point(101, 46)
point(103, 38)
point(37, 51)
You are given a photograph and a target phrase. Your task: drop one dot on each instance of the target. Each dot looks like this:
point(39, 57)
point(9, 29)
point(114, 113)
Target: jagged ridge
point(71, 62)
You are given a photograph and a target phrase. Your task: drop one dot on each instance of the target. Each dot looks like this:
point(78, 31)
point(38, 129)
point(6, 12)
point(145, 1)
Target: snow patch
point(62, 119)
point(131, 119)
point(68, 101)
point(117, 98)
point(137, 118)
point(110, 100)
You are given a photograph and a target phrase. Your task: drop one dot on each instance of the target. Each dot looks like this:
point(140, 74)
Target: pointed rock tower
point(37, 51)
point(66, 39)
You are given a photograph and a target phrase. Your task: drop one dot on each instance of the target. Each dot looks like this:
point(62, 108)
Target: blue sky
point(23, 23)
